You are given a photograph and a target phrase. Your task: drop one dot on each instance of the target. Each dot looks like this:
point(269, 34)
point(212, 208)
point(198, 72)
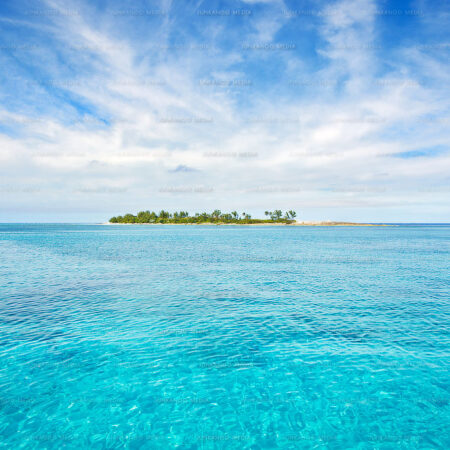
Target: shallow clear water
point(224, 337)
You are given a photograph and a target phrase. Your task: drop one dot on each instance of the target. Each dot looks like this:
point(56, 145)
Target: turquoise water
point(191, 337)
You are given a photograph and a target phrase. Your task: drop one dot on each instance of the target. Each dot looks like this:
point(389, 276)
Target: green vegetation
point(216, 217)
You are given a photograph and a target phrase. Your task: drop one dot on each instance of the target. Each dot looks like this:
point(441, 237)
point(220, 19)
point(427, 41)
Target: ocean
point(224, 337)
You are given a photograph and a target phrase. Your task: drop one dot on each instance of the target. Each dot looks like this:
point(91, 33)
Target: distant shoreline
point(217, 217)
point(294, 224)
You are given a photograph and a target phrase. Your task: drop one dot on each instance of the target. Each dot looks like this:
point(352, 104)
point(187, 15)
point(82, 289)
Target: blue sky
point(336, 109)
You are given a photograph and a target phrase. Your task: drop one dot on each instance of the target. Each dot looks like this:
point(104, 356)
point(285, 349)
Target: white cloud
point(159, 117)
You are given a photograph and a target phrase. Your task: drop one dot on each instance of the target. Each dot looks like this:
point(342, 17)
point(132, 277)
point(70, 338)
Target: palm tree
point(276, 215)
point(164, 214)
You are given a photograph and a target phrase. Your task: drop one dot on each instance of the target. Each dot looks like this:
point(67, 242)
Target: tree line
point(216, 216)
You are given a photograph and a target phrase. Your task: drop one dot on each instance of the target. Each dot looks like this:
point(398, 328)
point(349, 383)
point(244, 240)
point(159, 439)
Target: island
point(218, 218)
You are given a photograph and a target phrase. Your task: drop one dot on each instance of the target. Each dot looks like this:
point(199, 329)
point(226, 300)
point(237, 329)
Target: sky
point(338, 110)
